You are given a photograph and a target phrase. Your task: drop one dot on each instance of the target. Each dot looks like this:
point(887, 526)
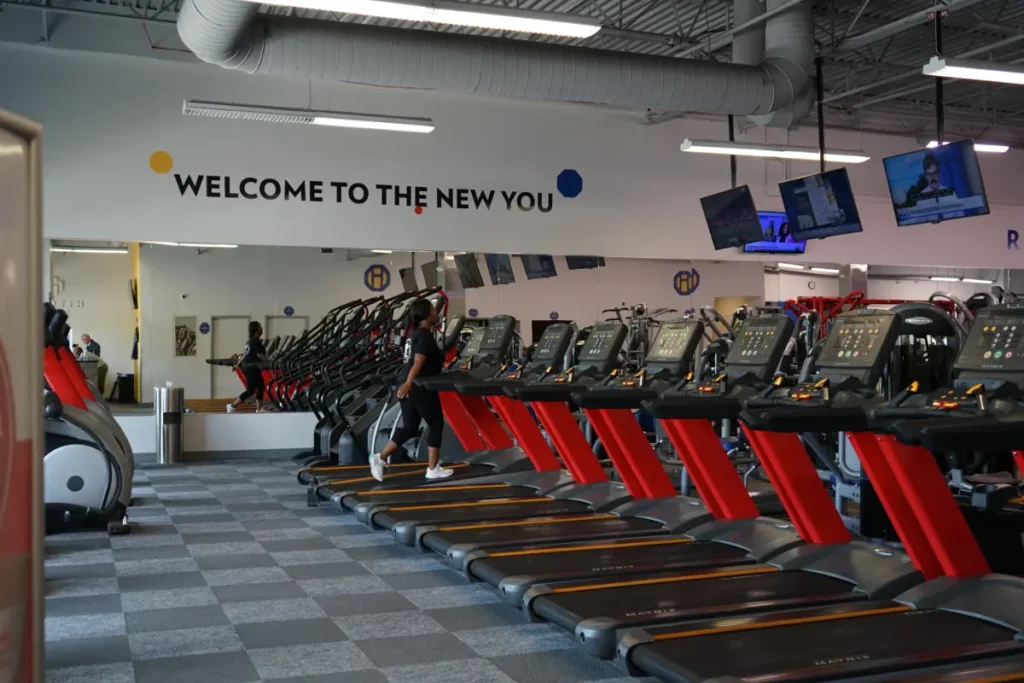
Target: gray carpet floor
point(227, 577)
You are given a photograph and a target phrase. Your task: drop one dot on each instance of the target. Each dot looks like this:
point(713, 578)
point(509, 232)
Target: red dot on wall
point(418, 210)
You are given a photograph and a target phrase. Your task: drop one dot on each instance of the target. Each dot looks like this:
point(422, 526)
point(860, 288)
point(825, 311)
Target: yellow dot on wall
point(161, 162)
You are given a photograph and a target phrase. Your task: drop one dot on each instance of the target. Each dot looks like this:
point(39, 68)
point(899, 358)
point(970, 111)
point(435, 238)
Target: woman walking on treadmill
point(254, 353)
point(422, 359)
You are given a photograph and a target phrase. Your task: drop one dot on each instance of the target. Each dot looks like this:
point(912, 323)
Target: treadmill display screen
point(497, 334)
point(996, 342)
point(552, 343)
point(855, 342)
point(756, 342)
point(672, 342)
point(473, 346)
point(600, 344)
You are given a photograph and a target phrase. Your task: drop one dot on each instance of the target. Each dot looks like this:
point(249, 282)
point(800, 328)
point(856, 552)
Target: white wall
point(921, 289)
point(105, 115)
point(783, 286)
point(93, 289)
point(252, 281)
point(581, 295)
point(205, 432)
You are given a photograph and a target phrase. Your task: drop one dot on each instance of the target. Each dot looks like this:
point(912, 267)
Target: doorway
point(229, 334)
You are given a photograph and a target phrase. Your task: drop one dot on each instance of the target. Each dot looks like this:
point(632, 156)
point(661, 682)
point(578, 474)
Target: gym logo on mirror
point(686, 282)
point(568, 185)
point(377, 278)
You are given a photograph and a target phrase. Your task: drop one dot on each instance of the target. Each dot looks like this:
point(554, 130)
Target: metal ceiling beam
point(86, 13)
point(908, 22)
point(910, 73)
point(725, 39)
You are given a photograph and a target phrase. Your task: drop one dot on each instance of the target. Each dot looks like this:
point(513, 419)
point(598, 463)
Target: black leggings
point(254, 385)
point(420, 405)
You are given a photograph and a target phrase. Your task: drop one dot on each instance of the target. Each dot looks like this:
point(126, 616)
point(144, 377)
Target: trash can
point(168, 406)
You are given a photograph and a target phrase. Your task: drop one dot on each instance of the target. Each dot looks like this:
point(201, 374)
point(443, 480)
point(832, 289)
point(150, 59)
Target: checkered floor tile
point(227, 577)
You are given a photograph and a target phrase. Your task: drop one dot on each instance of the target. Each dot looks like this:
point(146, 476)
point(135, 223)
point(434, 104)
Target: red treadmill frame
point(631, 453)
point(927, 493)
point(570, 443)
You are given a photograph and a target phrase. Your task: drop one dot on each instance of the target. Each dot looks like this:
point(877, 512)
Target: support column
point(852, 278)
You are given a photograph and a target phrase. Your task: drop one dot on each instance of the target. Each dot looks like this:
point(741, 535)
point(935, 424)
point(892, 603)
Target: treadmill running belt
point(607, 559)
point(824, 650)
point(326, 473)
point(598, 614)
point(544, 531)
point(396, 480)
point(426, 496)
point(492, 510)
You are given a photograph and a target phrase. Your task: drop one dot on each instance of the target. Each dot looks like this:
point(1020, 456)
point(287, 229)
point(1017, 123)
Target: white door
point(285, 325)
point(229, 335)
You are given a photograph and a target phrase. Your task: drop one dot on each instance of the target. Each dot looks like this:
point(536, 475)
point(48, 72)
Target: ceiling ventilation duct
point(230, 34)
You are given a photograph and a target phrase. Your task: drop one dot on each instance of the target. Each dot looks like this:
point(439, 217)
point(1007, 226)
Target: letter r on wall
point(1011, 239)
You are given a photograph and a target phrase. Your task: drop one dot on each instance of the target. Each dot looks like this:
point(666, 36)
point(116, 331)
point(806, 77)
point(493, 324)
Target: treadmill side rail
point(763, 538)
point(878, 572)
point(995, 598)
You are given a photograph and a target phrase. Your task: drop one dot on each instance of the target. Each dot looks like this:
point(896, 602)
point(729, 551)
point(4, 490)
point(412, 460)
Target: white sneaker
point(439, 472)
point(231, 408)
point(377, 467)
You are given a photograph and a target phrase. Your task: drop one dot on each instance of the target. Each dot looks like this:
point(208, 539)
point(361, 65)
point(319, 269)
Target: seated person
point(82, 355)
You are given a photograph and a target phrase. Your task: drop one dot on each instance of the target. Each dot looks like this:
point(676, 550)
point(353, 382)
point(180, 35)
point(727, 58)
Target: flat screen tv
point(731, 217)
point(499, 267)
point(940, 184)
point(820, 205)
point(429, 274)
point(538, 266)
point(469, 271)
point(778, 238)
point(584, 262)
point(408, 279)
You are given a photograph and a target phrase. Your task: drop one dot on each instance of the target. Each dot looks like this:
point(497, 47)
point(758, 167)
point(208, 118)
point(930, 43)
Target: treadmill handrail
point(810, 418)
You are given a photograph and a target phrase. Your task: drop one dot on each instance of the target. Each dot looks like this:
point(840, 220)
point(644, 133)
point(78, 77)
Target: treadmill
point(489, 450)
point(550, 401)
point(676, 343)
point(781, 567)
point(506, 496)
point(514, 572)
point(961, 616)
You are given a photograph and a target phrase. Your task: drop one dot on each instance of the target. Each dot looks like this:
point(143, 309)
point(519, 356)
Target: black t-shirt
point(253, 349)
point(421, 341)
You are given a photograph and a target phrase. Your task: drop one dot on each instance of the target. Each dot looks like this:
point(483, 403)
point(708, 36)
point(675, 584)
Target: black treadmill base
point(825, 650)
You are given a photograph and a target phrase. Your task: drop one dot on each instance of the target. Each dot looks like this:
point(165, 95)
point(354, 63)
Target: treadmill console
point(553, 344)
point(601, 351)
point(472, 349)
point(760, 344)
point(996, 342)
point(674, 347)
point(497, 336)
point(859, 345)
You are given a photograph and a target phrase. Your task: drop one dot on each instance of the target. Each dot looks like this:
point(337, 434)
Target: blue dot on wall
point(569, 183)
point(473, 313)
point(377, 277)
point(289, 311)
point(553, 315)
point(686, 282)
point(204, 328)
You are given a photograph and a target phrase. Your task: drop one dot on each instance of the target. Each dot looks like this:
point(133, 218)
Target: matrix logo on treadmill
point(568, 184)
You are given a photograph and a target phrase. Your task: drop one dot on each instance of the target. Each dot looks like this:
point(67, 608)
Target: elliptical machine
point(88, 466)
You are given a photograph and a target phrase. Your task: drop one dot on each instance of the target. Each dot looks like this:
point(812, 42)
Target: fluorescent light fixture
point(791, 266)
point(825, 271)
point(165, 244)
point(381, 251)
point(978, 281)
point(199, 245)
point(944, 278)
point(456, 14)
point(246, 112)
point(972, 70)
point(89, 250)
point(978, 147)
point(768, 151)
